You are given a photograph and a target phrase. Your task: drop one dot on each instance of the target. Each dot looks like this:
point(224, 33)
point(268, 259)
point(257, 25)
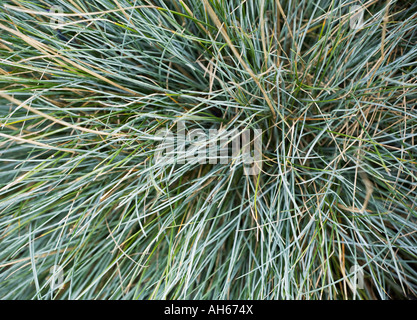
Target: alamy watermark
point(356, 279)
point(57, 277)
point(234, 147)
point(57, 17)
point(356, 17)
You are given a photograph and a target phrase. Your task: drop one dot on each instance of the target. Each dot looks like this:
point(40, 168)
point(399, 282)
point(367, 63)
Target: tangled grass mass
point(88, 210)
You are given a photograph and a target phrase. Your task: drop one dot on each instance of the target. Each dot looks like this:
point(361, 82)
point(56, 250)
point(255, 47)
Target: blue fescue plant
point(88, 212)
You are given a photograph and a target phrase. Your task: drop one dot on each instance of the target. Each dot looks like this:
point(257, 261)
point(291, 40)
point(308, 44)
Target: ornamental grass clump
point(208, 149)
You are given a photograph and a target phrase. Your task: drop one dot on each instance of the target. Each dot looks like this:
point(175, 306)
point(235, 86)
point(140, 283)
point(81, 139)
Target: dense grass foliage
point(81, 187)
